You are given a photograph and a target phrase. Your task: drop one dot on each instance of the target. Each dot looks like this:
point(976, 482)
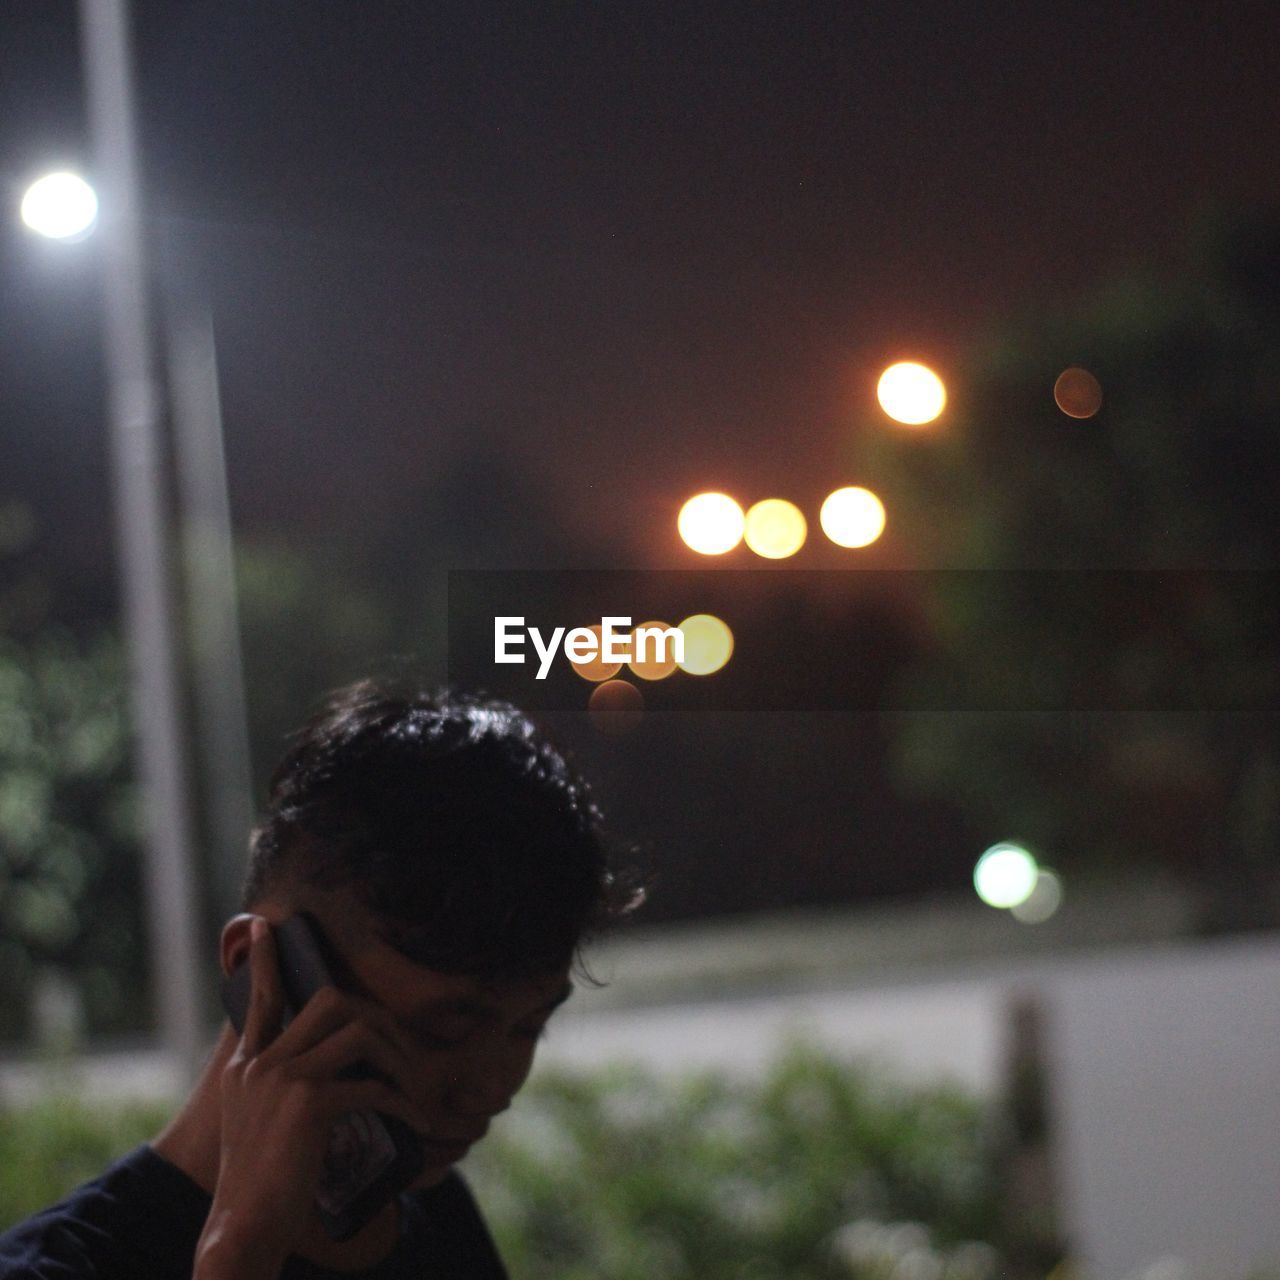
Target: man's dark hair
point(453, 819)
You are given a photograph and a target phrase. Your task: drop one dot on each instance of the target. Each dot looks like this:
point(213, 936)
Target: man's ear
point(234, 943)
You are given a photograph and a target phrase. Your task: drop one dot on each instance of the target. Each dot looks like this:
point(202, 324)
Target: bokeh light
point(615, 707)
point(1043, 900)
point(911, 393)
point(652, 656)
point(775, 528)
point(852, 517)
point(596, 669)
point(1077, 393)
point(711, 524)
point(708, 644)
point(1005, 875)
point(62, 206)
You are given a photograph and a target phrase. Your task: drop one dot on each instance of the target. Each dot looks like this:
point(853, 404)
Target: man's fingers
point(333, 1032)
point(327, 1012)
point(375, 1095)
point(355, 1042)
point(266, 994)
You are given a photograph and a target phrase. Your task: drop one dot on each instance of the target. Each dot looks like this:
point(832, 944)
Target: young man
point(453, 865)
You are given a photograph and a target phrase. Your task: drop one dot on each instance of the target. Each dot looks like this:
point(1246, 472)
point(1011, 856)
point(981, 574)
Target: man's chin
point(432, 1176)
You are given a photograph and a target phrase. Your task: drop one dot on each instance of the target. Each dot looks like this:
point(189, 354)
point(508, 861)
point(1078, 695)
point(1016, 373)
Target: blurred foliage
point(818, 1170)
point(309, 623)
point(69, 862)
point(1098, 676)
point(607, 1196)
point(50, 1146)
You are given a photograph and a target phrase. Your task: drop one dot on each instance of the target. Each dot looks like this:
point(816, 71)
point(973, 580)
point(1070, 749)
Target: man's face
point(472, 1043)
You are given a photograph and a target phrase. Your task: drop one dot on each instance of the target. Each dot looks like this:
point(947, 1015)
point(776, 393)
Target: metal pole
point(134, 412)
point(209, 557)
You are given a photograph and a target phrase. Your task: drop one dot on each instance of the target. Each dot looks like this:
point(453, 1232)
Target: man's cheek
point(429, 1177)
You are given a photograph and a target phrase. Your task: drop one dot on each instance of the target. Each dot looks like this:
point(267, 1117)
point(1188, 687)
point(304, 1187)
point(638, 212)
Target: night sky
point(625, 251)
point(524, 278)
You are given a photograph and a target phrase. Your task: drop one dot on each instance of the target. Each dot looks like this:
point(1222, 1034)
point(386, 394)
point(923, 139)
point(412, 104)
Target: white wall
point(1164, 1071)
point(1166, 1084)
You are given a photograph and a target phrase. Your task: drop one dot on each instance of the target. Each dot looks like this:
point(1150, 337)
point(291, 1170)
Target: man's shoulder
point(140, 1211)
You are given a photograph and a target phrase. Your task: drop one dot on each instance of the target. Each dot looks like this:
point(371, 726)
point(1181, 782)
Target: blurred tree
point(70, 895)
point(1100, 614)
point(310, 622)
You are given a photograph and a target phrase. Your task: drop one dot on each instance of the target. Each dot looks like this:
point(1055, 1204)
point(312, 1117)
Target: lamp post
point(134, 418)
point(63, 206)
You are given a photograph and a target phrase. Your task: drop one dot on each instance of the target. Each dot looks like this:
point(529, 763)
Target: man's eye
point(439, 1037)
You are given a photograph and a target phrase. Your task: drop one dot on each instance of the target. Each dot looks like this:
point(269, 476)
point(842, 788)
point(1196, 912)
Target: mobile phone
point(371, 1156)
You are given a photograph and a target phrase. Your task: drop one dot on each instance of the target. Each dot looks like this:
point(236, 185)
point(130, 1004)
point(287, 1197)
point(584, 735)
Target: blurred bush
point(49, 1147)
point(70, 874)
point(818, 1170)
point(70, 880)
point(815, 1171)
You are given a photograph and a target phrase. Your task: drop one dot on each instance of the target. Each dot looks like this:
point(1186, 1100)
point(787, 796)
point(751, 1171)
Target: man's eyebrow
point(475, 1007)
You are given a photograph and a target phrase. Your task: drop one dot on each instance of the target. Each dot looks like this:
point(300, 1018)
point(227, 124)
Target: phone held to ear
point(371, 1156)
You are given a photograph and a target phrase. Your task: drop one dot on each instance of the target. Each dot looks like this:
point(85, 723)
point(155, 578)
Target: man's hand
point(281, 1094)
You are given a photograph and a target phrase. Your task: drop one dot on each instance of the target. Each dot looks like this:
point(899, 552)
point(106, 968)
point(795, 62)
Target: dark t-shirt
point(141, 1220)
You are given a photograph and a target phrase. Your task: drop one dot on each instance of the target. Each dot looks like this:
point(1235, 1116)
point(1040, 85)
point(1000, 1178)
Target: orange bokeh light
point(596, 669)
point(1077, 393)
point(652, 655)
point(615, 707)
point(775, 528)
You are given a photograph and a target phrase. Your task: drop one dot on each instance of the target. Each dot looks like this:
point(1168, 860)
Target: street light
point(711, 524)
point(852, 517)
point(64, 206)
point(911, 393)
point(775, 528)
point(60, 206)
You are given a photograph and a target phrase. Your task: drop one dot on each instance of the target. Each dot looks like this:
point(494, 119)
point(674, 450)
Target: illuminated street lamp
point(775, 528)
point(852, 517)
point(65, 207)
point(711, 524)
point(708, 644)
point(60, 206)
point(911, 393)
point(1005, 875)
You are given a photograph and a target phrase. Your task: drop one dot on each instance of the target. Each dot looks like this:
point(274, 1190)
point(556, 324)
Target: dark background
point(611, 254)
point(501, 286)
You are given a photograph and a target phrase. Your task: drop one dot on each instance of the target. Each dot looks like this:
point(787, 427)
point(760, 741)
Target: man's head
point(451, 820)
point(454, 864)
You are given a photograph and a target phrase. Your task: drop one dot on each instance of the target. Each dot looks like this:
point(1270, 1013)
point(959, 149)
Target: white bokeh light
point(61, 206)
point(1042, 902)
point(1005, 875)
